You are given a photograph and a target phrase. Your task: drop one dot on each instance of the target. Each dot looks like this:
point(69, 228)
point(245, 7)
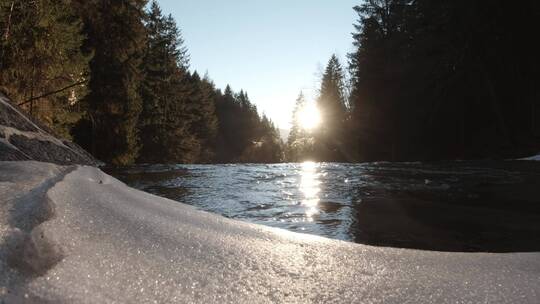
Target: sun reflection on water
point(310, 188)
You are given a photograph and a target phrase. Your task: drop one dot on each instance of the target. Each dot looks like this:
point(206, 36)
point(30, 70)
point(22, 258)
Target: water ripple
point(379, 203)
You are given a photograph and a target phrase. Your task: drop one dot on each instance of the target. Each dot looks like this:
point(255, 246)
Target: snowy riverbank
point(535, 158)
point(75, 234)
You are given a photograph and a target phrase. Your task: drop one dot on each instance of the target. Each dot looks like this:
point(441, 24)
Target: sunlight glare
point(309, 117)
point(310, 188)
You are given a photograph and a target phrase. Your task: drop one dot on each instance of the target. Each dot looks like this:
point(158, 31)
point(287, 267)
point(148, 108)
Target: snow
point(5, 103)
point(37, 134)
point(535, 158)
point(103, 242)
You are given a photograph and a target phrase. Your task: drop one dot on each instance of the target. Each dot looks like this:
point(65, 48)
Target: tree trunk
point(501, 124)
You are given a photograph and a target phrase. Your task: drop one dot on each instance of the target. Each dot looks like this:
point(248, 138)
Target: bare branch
point(53, 92)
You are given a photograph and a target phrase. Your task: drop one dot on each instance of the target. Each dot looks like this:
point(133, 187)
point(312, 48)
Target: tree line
point(426, 81)
point(114, 76)
point(430, 80)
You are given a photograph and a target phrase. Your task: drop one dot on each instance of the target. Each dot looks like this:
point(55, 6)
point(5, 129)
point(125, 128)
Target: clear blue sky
point(271, 49)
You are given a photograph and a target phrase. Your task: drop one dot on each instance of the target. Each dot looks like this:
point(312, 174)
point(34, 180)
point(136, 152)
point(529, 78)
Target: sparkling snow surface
point(108, 243)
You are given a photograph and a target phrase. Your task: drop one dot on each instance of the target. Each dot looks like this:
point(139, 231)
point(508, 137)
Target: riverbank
point(75, 234)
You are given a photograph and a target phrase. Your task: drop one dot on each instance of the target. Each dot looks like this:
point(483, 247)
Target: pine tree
point(299, 143)
point(296, 129)
point(226, 109)
point(166, 90)
point(182, 145)
point(249, 128)
point(42, 66)
point(116, 35)
point(329, 139)
point(438, 80)
point(243, 135)
point(267, 148)
point(205, 122)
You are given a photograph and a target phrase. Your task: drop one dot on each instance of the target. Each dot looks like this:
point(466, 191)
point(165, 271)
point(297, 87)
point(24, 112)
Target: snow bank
point(23, 139)
point(103, 242)
point(535, 158)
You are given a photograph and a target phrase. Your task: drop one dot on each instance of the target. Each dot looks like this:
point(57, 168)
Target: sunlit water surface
point(376, 203)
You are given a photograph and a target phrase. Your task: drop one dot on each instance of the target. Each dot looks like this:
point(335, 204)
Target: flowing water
point(453, 206)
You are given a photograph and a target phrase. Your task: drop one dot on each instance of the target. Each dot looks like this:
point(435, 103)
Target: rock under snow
point(77, 235)
point(21, 138)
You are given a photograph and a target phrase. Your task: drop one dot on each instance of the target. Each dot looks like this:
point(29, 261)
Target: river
point(448, 206)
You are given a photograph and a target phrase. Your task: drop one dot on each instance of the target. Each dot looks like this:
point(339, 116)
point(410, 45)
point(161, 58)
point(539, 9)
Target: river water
point(450, 206)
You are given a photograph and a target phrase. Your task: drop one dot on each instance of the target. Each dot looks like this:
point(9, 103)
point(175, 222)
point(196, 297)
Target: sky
point(271, 49)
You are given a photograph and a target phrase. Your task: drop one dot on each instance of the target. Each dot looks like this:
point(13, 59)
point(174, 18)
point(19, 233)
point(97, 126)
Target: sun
point(309, 117)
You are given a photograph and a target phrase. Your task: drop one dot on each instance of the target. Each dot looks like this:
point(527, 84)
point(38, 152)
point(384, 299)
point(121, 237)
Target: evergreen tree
point(249, 127)
point(300, 142)
point(166, 89)
point(42, 66)
point(329, 138)
point(143, 104)
point(244, 136)
point(116, 34)
point(205, 122)
point(182, 145)
point(268, 148)
point(226, 109)
point(438, 80)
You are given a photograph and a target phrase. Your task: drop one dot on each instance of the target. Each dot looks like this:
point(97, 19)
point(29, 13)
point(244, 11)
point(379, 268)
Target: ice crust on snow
point(114, 244)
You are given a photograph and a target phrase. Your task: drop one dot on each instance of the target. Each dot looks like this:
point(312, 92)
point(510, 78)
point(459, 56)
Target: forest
point(430, 80)
point(427, 80)
point(113, 76)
